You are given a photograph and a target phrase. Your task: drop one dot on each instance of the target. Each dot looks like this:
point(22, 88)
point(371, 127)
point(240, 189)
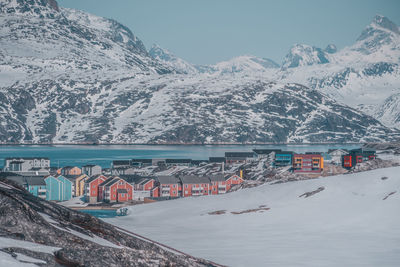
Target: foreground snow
point(346, 224)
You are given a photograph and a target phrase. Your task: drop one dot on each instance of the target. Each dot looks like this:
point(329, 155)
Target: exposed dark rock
point(22, 218)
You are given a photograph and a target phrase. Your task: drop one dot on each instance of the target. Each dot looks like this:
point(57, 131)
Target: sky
point(210, 31)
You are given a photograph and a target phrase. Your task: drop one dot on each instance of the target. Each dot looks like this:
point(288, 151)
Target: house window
point(93, 186)
point(122, 195)
point(186, 186)
point(114, 196)
point(174, 185)
point(174, 192)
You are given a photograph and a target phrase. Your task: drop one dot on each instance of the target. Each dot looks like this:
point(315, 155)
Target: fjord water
point(79, 155)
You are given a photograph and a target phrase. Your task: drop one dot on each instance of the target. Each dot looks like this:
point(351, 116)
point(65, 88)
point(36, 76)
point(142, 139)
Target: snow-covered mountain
point(68, 76)
point(305, 55)
point(364, 74)
point(170, 59)
point(248, 64)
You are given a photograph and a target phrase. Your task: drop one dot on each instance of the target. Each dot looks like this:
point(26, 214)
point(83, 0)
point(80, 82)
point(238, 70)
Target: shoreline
point(177, 144)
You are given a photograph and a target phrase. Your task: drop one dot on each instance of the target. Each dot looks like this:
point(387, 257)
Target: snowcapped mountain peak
point(385, 23)
point(331, 49)
point(160, 53)
point(168, 58)
point(379, 34)
point(304, 55)
point(41, 8)
point(245, 63)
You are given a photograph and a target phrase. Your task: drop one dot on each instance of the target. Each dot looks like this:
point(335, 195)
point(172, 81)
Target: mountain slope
point(181, 110)
point(32, 228)
point(68, 76)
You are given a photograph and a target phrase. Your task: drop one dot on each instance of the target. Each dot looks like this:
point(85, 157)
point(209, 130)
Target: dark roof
point(72, 177)
point(134, 178)
point(121, 162)
point(216, 178)
point(142, 160)
point(167, 179)
point(193, 179)
point(34, 180)
point(265, 151)
point(5, 174)
point(284, 152)
point(94, 177)
point(90, 165)
point(313, 153)
point(109, 181)
point(216, 159)
point(178, 161)
point(239, 154)
point(28, 158)
point(144, 181)
point(17, 161)
point(121, 190)
point(15, 178)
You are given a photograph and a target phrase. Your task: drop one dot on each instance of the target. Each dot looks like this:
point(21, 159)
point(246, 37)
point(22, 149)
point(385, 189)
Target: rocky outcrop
point(83, 240)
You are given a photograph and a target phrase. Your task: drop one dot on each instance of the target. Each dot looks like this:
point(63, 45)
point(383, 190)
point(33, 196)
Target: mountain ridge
point(85, 78)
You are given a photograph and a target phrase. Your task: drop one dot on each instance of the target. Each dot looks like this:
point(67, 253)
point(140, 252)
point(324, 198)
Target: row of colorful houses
point(313, 162)
point(120, 189)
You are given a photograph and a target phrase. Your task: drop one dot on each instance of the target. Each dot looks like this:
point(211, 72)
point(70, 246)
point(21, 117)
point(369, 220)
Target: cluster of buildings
point(121, 183)
point(90, 182)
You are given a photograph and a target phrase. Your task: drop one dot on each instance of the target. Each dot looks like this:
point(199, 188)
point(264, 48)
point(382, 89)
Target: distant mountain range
point(72, 77)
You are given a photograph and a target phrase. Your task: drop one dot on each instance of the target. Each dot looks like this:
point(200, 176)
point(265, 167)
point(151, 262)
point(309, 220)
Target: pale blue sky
point(209, 31)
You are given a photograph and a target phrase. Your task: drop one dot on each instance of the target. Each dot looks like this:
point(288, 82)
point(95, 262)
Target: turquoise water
point(79, 155)
point(101, 213)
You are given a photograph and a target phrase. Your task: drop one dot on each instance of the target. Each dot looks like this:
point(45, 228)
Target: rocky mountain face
point(68, 76)
point(304, 55)
point(77, 238)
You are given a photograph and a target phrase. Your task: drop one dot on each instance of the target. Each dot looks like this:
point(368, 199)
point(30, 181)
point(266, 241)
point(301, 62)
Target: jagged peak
point(384, 22)
point(331, 49)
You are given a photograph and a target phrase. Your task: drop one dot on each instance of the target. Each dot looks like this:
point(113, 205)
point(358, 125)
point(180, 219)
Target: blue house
point(58, 188)
point(66, 189)
point(283, 159)
point(36, 186)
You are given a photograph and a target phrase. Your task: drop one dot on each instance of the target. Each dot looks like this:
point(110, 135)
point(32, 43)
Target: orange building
point(308, 163)
point(71, 170)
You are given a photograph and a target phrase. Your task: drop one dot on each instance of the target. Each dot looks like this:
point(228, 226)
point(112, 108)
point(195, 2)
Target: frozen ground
point(347, 224)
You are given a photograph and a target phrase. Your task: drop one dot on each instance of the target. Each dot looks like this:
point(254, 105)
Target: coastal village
point(147, 180)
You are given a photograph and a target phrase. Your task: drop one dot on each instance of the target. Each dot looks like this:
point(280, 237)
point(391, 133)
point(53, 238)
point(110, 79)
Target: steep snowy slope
point(353, 221)
point(38, 40)
point(68, 76)
point(365, 73)
point(180, 109)
point(170, 59)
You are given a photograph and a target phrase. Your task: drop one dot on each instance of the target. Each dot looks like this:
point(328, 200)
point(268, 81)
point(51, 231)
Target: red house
point(155, 192)
point(169, 186)
point(145, 184)
point(92, 188)
point(232, 179)
point(218, 184)
point(195, 185)
point(115, 189)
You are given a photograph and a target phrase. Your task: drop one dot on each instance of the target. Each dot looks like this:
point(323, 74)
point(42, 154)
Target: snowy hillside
point(168, 58)
point(351, 220)
point(68, 76)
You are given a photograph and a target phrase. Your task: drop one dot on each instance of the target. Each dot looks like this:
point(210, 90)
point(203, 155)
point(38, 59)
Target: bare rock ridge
point(82, 240)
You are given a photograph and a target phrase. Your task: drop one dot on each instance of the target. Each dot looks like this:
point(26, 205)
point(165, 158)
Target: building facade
point(308, 163)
